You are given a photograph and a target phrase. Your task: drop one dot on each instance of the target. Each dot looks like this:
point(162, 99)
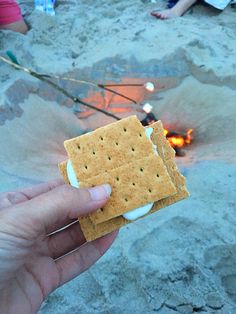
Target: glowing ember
point(189, 136)
point(179, 139)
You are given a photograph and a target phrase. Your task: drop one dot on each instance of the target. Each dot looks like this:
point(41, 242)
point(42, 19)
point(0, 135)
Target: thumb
point(56, 208)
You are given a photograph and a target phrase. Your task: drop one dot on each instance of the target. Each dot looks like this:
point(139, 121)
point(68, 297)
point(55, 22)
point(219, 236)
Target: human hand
point(32, 250)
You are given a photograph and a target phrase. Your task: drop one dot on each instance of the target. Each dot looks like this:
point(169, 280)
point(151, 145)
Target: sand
point(183, 258)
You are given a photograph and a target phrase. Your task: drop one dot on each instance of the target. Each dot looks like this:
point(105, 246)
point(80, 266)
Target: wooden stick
point(44, 78)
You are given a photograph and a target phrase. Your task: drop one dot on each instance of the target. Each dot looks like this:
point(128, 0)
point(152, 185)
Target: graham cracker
point(108, 147)
point(164, 148)
point(93, 231)
point(133, 185)
point(167, 154)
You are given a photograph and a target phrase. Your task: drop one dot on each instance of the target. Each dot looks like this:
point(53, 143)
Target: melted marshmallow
point(71, 175)
point(132, 214)
point(138, 212)
point(148, 132)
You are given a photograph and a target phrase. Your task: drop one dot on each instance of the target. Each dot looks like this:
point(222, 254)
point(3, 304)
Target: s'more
point(139, 164)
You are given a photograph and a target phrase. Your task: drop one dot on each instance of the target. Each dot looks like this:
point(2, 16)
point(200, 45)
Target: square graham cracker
point(115, 154)
point(135, 184)
point(108, 147)
point(93, 230)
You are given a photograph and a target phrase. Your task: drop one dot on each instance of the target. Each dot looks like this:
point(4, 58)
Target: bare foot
point(178, 10)
point(165, 14)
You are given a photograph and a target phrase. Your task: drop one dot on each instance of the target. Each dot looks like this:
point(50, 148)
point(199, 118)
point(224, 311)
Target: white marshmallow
point(149, 86)
point(147, 108)
point(71, 175)
point(148, 132)
point(138, 212)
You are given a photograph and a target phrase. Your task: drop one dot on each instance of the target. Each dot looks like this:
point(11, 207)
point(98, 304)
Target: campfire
point(128, 95)
point(112, 99)
point(116, 98)
point(179, 140)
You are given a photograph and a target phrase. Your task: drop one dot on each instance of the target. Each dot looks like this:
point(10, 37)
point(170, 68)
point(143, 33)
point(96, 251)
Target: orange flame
point(179, 140)
point(189, 136)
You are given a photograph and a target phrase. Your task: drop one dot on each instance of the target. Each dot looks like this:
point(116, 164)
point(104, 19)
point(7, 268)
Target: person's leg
point(11, 17)
point(19, 26)
point(178, 10)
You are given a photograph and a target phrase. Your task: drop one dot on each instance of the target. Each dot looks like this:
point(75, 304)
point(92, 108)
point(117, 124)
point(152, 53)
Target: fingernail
point(100, 192)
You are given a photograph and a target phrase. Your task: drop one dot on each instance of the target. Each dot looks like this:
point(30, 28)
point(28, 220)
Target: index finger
point(8, 199)
point(49, 211)
point(38, 189)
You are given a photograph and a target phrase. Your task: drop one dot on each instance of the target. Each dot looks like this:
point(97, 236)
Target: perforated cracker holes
point(134, 185)
point(108, 147)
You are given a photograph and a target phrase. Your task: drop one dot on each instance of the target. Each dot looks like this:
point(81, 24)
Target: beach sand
point(181, 259)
